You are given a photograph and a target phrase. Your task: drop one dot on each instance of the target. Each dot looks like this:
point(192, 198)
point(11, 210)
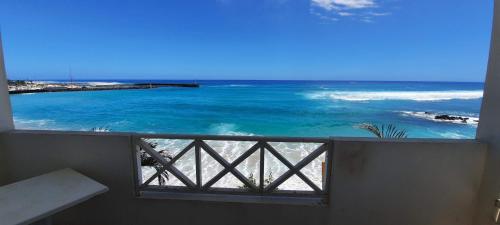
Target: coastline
point(26, 87)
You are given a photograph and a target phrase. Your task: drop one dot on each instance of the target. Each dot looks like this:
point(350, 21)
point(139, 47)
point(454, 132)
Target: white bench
point(40, 197)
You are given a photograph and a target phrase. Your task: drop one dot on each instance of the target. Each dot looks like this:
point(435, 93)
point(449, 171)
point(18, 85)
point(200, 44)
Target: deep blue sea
point(282, 108)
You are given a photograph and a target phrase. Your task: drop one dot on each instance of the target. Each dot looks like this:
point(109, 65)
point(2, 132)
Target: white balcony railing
point(234, 168)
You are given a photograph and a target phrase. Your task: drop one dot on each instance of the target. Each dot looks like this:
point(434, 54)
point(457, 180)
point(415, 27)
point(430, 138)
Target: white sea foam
point(42, 124)
point(227, 129)
point(397, 95)
point(233, 85)
point(240, 85)
point(452, 135)
point(432, 116)
point(102, 83)
point(230, 150)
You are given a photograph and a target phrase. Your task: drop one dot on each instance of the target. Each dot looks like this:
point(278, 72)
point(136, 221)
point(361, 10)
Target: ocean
point(277, 108)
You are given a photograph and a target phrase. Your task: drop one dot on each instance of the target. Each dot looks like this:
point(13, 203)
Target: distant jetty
point(25, 87)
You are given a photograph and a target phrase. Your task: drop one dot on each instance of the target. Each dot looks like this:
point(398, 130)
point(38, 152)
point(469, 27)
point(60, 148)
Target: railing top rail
point(253, 138)
point(234, 138)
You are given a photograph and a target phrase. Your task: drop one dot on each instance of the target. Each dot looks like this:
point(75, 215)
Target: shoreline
point(27, 88)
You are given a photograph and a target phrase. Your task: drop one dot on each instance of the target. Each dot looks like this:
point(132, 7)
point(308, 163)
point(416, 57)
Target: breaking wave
point(452, 135)
point(27, 124)
point(397, 95)
point(233, 85)
point(227, 129)
point(102, 83)
point(230, 150)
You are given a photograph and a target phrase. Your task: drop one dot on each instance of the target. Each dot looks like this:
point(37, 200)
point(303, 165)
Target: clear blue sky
point(247, 39)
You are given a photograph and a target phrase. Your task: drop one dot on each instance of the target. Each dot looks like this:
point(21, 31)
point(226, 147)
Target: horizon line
point(195, 80)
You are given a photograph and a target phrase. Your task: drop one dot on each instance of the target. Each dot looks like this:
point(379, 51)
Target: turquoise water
point(283, 108)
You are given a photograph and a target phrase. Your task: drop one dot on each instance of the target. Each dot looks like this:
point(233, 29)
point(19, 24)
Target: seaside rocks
point(447, 118)
point(451, 118)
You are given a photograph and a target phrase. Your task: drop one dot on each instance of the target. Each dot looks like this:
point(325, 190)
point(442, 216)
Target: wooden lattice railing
point(165, 164)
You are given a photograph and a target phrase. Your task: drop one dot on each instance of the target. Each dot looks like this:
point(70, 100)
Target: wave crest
point(227, 129)
point(233, 85)
point(397, 95)
point(95, 83)
point(34, 124)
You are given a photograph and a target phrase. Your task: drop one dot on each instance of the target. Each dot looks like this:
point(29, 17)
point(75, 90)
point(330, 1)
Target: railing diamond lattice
point(165, 165)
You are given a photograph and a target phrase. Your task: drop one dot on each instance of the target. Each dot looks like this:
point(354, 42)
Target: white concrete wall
point(6, 121)
point(411, 182)
point(489, 127)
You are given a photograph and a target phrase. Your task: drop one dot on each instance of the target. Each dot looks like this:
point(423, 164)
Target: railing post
point(136, 164)
point(329, 164)
point(197, 152)
point(261, 165)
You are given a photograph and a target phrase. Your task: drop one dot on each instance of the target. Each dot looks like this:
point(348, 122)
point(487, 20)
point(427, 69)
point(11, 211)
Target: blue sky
point(445, 40)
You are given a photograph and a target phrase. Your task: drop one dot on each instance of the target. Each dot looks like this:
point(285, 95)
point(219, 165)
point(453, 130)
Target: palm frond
point(147, 160)
point(384, 131)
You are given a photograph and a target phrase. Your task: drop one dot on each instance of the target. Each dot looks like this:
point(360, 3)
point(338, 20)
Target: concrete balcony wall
point(408, 182)
point(488, 130)
point(374, 182)
point(6, 120)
